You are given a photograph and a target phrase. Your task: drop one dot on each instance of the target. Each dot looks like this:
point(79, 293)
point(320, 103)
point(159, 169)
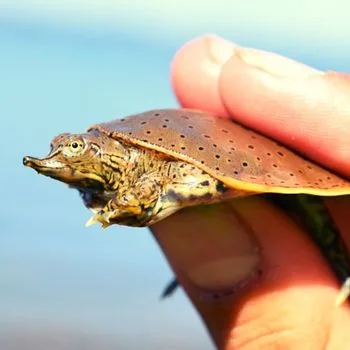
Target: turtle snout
point(27, 161)
point(32, 162)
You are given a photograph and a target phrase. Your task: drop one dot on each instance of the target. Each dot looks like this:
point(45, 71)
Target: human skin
point(288, 300)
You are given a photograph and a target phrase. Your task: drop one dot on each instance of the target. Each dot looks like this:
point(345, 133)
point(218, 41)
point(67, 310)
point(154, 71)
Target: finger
point(195, 71)
point(217, 251)
point(196, 68)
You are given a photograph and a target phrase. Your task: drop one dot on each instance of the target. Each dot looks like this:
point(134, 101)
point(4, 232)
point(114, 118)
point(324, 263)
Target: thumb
point(242, 275)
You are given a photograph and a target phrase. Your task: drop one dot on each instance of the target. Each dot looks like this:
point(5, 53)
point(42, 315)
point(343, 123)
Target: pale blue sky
point(63, 66)
point(311, 19)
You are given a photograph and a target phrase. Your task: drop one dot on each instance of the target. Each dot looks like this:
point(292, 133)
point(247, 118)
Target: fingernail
point(275, 64)
point(219, 49)
point(211, 246)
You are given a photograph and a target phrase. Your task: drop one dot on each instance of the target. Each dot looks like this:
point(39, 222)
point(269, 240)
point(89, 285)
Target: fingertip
point(195, 72)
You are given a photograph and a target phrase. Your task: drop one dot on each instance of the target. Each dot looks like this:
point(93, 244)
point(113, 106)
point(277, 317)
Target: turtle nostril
point(31, 161)
point(26, 161)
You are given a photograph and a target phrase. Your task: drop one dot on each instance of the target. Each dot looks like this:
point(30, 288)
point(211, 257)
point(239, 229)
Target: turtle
point(139, 169)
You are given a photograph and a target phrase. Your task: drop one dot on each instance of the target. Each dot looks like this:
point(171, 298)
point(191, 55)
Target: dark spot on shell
point(291, 174)
point(230, 141)
point(236, 172)
point(214, 145)
point(182, 136)
point(202, 161)
point(207, 136)
point(205, 183)
point(143, 123)
point(183, 147)
point(251, 146)
point(148, 132)
point(280, 153)
point(217, 168)
point(224, 131)
point(166, 120)
point(253, 137)
point(274, 165)
point(130, 133)
point(164, 126)
point(172, 145)
point(156, 114)
point(122, 120)
point(258, 158)
point(174, 176)
point(269, 176)
point(200, 148)
point(268, 153)
point(217, 156)
point(190, 127)
point(309, 167)
point(160, 139)
point(245, 164)
point(185, 117)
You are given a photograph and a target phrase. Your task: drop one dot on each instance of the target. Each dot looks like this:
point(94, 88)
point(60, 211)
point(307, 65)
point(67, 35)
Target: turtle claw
point(93, 220)
point(99, 217)
point(344, 292)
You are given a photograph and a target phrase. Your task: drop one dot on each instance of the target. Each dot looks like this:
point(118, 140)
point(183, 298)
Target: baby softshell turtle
point(140, 169)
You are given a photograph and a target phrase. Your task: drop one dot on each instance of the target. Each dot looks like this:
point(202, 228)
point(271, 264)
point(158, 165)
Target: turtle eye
point(74, 148)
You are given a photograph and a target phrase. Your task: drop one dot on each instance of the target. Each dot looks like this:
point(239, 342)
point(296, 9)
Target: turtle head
point(79, 160)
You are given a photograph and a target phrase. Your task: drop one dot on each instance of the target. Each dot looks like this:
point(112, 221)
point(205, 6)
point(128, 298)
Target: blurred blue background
point(63, 66)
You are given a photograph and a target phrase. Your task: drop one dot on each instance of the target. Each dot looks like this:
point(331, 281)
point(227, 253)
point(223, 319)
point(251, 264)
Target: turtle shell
point(239, 157)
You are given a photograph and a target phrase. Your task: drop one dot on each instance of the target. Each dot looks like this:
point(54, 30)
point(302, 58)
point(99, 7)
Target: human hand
point(291, 304)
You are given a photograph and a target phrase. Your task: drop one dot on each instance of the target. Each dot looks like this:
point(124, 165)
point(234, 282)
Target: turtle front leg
point(114, 212)
point(132, 212)
point(135, 206)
